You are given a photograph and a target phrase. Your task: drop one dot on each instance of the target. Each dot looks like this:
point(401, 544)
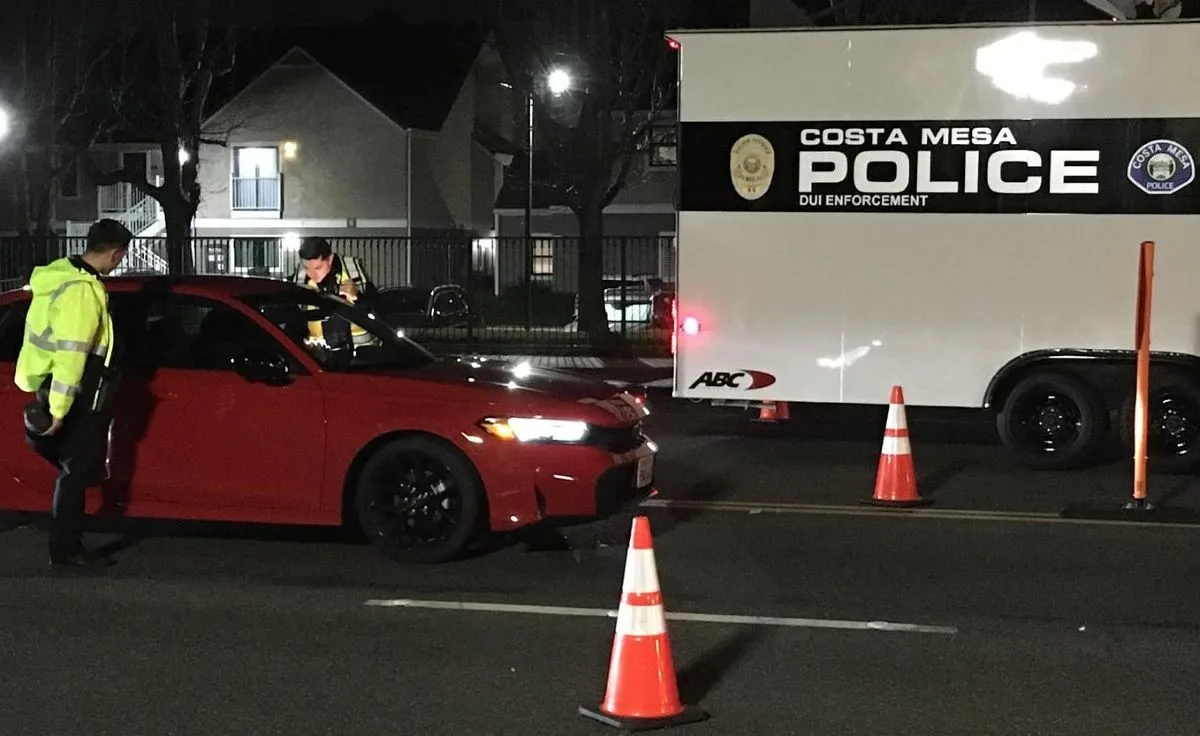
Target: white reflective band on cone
point(896, 446)
point(895, 417)
point(641, 576)
point(641, 621)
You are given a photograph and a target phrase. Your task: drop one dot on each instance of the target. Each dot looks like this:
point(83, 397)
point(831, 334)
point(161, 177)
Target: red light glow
point(691, 326)
point(672, 44)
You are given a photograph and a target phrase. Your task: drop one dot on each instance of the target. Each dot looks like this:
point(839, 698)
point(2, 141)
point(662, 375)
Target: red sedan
point(237, 404)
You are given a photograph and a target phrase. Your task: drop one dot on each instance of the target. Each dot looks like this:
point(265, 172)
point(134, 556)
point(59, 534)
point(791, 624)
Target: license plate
point(645, 472)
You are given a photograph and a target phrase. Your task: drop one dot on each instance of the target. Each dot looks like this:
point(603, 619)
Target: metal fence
point(493, 295)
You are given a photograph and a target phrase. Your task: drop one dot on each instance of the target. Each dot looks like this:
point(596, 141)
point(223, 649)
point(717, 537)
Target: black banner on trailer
point(1085, 166)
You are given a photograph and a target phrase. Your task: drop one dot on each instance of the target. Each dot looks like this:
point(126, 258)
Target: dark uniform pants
point(75, 450)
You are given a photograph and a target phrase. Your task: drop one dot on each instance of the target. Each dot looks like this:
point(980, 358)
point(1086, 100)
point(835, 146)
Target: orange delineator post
point(1141, 416)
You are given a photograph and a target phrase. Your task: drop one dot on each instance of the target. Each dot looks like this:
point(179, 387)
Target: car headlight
point(535, 429)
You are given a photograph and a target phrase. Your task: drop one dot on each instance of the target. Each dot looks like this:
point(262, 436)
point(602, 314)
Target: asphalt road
point(1047, 626)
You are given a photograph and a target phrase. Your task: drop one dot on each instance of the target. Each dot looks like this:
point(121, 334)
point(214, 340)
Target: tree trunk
point(25, 255)
point(592, 319)
point(178, 215)
point(43, 235)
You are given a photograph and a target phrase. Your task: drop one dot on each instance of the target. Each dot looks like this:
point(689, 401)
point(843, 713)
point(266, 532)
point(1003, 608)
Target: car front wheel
point(419, 500)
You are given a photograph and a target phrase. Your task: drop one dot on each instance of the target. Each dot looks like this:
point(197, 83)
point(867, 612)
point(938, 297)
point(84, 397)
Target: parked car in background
point(232, 410)
point(446, 305)
point(637, 302)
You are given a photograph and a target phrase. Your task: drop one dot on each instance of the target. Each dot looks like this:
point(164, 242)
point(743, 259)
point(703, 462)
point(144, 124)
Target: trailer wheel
point(1053, 421)
point(1173, 442)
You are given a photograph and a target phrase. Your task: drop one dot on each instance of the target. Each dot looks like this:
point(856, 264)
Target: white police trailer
point(957, 210)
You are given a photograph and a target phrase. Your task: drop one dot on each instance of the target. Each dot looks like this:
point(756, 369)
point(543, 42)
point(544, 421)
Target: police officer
point(332, 273)
point(323, 270)
point(65, 361)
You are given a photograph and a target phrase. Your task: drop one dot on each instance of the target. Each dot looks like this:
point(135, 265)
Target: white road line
point(714, 618)
point(895, 513)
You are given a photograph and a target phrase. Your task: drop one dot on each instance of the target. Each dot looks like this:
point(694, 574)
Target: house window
point(662, 146)
point(68, 180)
point(543, 258)
point(483, 256)
point(255, 178)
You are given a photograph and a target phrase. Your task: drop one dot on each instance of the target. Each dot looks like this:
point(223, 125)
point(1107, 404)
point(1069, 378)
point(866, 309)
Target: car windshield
point(337, 334)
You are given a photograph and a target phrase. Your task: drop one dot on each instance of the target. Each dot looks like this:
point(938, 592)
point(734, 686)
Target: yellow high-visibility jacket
point(68, 320)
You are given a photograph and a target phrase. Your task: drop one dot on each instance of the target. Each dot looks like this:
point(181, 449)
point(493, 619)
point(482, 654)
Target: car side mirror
point(262, 368)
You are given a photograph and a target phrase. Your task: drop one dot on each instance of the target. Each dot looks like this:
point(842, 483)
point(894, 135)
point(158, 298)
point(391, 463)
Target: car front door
point(195, 433)
point(26, 480)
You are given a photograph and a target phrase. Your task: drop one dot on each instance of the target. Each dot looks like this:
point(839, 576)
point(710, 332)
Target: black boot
point(82, 558)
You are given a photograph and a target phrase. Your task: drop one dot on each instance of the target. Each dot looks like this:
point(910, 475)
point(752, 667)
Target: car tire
point(412, 521)
point(1173, 442)
point(1053, 421)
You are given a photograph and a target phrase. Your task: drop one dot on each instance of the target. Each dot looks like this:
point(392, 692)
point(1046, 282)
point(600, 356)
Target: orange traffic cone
point(896, 479)
point(773, 411)
point(641, 693)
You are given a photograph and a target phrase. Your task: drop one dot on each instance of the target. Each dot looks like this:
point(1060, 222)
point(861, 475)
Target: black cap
point(314, 247)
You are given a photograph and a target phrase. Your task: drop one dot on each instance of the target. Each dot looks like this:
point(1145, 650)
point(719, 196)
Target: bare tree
point(892, 12)
point(587, 138)
point(55, 62)
point(171, 55)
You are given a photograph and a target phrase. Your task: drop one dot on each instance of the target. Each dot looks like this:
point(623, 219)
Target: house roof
point(413, 74)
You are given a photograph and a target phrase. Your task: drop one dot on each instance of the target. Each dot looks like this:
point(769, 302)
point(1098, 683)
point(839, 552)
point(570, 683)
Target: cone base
point(690, 714)
point(897, 504)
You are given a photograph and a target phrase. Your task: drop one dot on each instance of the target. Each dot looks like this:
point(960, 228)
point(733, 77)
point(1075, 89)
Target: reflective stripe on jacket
point(68, 320)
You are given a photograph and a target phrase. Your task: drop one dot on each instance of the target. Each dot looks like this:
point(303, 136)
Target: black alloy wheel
point(1053, 421)
point(1173, 439)
point(419, 500)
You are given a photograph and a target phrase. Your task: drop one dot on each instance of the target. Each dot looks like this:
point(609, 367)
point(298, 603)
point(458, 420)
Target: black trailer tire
point(1053, 421)
point(419, 500)
point(1173, 442)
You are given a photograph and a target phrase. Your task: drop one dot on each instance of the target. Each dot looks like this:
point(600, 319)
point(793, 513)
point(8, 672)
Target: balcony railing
point(119, 197)
point(255, 194)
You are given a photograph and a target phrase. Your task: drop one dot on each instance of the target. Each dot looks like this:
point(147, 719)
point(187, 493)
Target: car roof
point(217, 287)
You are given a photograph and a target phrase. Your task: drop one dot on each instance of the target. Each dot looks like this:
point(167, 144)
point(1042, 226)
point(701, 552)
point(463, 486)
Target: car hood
point(516, 386)
point(515, 374)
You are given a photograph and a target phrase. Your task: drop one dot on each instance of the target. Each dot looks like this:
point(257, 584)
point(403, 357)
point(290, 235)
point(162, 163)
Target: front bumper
point(601, 487)
point(618, 488)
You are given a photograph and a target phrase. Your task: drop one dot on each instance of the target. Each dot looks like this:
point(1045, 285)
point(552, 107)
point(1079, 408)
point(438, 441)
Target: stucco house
point(346, 133)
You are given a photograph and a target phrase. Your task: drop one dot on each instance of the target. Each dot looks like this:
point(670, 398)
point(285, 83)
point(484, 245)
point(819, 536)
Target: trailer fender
point(1080, 361)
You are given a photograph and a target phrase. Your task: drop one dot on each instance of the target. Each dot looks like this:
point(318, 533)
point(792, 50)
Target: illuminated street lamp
point(559, 81)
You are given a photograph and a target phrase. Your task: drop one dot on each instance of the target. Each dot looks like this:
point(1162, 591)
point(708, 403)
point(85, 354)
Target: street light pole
point(529, 219)
point(558, 82)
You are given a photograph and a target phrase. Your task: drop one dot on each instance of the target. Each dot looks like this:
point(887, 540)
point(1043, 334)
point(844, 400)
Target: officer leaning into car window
point(333, 273)
point(66, 362)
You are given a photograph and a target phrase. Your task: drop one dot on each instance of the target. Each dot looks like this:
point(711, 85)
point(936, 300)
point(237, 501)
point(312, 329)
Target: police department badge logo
point(1161, 167)
point(751, 166)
